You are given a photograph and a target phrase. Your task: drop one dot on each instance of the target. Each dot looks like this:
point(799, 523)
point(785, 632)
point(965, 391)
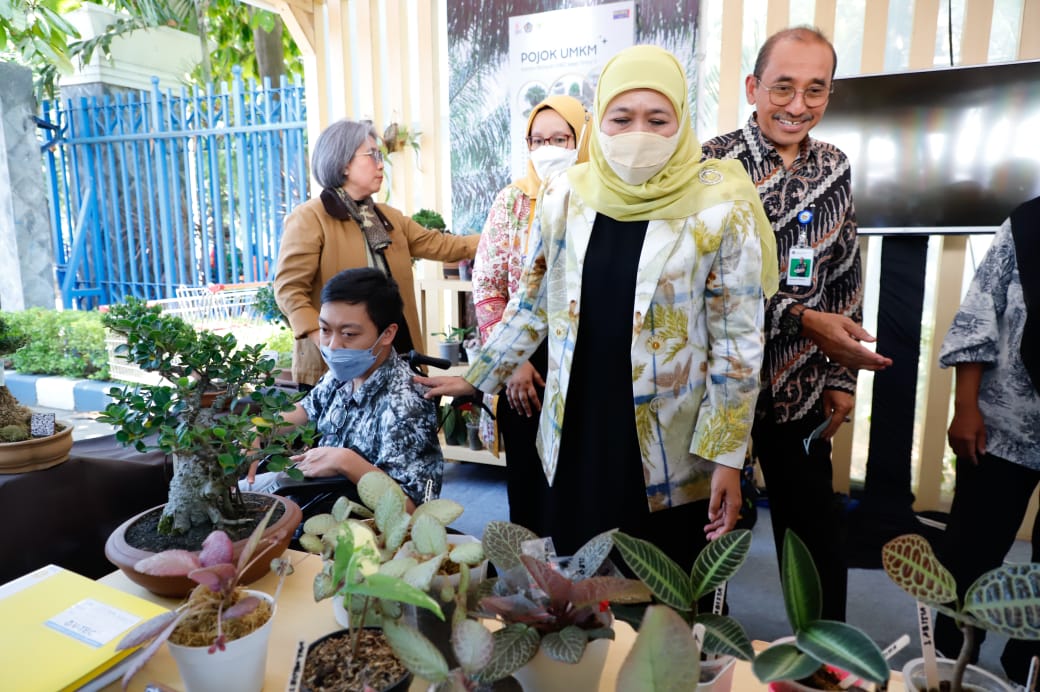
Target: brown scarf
point(365, 214)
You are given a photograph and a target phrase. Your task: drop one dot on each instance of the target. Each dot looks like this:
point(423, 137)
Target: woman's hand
point(446, 386)
point(520, 389)
point(724, 506)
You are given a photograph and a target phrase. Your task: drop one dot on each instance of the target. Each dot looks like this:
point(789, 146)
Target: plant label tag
point(92, 622)
point(41, 425)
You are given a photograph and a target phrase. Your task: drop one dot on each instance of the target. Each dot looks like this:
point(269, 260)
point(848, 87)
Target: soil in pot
point(144, 533)
point(330, 668)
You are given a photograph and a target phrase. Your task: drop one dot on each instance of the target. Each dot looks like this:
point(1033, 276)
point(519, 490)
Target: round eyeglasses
point(556, 141)
point(783, 94)
point(377, 156)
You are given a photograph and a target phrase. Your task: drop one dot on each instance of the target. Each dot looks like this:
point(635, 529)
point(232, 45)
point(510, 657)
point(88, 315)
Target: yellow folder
point(59, 629)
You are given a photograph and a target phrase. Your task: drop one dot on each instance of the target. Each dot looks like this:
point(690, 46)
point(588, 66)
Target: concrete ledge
point(63, 393)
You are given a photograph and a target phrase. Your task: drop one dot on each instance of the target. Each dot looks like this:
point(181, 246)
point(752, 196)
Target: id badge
point(800, 266)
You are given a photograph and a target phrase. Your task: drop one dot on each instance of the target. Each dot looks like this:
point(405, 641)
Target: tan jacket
point(315, 247)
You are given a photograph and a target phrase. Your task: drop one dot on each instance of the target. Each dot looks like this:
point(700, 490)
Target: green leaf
point(567, 645)
point(502, 541)
point(800, 583)
point(515, 645)
point(725, 636)
point(664, 657)
point(783, 662)
point(1007, 600)
point(428, 535)
point(416, 652)
point(843, 646)
point(469, 553)
point(421, 575)
point(373, 485)
point(473, 645)
point(442, 509)
point(393, 589)
point(661, 574)
point(719, 561)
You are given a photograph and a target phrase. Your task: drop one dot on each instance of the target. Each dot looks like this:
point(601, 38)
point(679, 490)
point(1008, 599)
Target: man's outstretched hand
point(839, 338)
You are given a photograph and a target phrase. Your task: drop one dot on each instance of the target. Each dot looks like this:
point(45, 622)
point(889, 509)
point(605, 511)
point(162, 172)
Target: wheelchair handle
point(416, 360)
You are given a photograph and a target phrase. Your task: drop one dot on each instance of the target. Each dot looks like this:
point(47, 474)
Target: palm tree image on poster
point(478, 90)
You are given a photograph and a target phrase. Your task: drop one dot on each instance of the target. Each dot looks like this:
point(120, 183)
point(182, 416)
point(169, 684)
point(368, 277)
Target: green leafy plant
point(193, 418)
point(267, 307)
point(396, 137)
point(70, 343)
point(430, 219)
point(1003, 600)
point(817, 643)
point(378, 556)
point(218, 609)
point(455, 334)
point(646, 668)
point(10, 339)
point(557, 609)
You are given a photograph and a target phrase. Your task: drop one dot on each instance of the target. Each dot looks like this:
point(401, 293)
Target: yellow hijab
point(684, 186)
point(577, 117)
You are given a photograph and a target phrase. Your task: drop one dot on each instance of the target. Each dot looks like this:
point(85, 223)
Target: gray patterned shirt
point(387, 421)
point(988, 329)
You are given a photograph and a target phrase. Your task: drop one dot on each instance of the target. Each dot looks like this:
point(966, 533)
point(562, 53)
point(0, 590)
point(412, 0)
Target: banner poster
point(560, 53)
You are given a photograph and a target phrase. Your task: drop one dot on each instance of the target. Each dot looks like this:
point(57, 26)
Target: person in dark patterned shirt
point(813, 323)
point(369, 412)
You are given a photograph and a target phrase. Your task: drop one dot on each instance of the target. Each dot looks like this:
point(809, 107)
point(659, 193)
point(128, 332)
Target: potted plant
point(434, 221)
point(821, 651)
point(397, 136)
point(451, 341)
point(378, 557)
point(212, 443)
point(647, 667)
point(218, 637)
point(1002, 600)
point(555, 613)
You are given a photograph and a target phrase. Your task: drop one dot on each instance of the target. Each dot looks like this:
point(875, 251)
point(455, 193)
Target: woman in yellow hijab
point(556, 137)
point(645, 278)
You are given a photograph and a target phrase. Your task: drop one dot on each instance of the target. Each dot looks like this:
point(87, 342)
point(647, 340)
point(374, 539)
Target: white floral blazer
point(697, 339)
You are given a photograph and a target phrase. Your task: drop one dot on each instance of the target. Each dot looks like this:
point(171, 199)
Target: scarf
point(364, 213)
point(684, 186)
point(571, 110)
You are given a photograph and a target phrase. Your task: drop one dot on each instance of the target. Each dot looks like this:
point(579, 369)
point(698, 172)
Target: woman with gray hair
point(346, 228)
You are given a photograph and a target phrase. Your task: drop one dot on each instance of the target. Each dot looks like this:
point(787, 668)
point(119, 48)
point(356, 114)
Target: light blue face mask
point(348, 363)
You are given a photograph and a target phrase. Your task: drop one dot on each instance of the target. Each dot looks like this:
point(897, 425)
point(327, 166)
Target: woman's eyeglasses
point(376, 155)
point(556, 141)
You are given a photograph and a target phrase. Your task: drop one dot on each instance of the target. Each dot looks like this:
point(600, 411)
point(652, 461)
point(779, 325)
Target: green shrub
point(66, 342)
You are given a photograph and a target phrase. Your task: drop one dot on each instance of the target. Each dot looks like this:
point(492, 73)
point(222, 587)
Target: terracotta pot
point(125, 556)
point(239, 667)
point(36, 453)
point(975, 679)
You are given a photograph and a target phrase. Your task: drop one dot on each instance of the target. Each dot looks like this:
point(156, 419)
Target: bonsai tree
point(1003, 600)
point(665, 653)
point(192, 417)
point(218, 609)
point(817, 643)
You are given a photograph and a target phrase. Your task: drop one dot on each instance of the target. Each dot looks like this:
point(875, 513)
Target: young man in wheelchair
point(367, 409)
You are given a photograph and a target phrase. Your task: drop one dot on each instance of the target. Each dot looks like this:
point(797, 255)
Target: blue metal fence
point(154, 190)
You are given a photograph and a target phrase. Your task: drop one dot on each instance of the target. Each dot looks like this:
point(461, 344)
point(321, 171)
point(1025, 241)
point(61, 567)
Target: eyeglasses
point(377, 156)
point(556, 141)
point(783, 94)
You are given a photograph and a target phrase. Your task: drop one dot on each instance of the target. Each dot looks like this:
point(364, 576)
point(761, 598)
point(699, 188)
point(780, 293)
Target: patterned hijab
point(684, 186)
point(577, 117)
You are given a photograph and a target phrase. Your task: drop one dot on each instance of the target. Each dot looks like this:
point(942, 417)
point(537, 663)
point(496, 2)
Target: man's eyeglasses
point(783, 94)
point(556, 141)
point(376, 155)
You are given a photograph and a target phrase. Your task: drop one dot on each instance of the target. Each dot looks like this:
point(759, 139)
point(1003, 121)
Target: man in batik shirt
point(812, 327)
point(368, 411)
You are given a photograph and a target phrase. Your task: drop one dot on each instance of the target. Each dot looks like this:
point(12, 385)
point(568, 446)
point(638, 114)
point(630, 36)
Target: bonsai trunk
point(198, 496)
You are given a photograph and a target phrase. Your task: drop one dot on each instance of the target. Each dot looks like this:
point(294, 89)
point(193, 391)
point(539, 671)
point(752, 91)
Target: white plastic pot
point(975, 679)
point(239, 667)
point(544, 674)
point(722, 674)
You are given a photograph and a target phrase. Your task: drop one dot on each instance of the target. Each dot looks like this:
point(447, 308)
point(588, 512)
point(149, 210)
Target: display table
point(299, 620)
point(64, 514)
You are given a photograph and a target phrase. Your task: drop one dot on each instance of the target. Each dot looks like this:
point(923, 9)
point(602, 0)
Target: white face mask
point(637, 156)
point(549, 160)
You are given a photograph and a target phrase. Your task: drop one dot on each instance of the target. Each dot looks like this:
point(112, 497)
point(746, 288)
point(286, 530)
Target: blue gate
point(150, 191)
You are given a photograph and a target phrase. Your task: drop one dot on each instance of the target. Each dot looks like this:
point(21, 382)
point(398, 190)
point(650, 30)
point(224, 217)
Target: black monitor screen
point(950, 149)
